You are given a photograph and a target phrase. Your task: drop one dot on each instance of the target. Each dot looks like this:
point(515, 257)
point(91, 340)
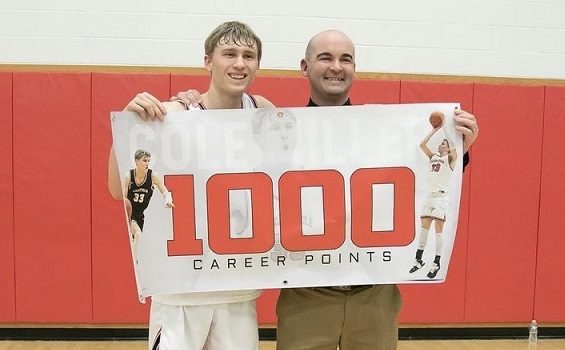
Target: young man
point(138, 186)
point(442, 165)
point(351, 317)
point(211, 320)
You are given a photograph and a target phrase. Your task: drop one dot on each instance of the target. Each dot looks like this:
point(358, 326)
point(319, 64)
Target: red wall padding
point(114, 290)
point(52, 219)
point(504, 206)
point(266, 307)
point(72, 261)
point(183, 82)
point(7, 297)
point(425, 303)
point(366, 91)
point(282, 92)
point(549, 295)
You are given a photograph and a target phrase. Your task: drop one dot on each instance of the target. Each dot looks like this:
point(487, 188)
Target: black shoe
point(418, 264)
point(433, 271)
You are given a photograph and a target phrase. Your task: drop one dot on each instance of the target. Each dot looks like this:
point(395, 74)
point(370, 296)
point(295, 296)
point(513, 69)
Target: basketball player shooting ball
point(138, 187)
point(442, 165)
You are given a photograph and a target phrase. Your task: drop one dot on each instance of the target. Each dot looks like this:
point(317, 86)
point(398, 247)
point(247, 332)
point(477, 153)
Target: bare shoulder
point(262, 102)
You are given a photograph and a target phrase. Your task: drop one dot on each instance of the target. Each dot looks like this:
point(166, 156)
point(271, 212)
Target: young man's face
point(330, 65)
point(443, 148)
point(280, 133)
point(278, 137)
point(232, 67)
point(143, 163)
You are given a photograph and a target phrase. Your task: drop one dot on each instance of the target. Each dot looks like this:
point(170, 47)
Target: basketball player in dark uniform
point(139, 196)
point(138, 187)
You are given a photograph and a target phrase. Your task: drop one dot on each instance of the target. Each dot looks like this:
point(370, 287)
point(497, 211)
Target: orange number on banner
point(262, 230)
point(184, 240)
point(332, 184)
point(362, 204)
point(260, 214)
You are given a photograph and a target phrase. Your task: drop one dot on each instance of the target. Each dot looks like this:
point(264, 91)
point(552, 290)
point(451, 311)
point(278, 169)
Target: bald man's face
point(330, 66)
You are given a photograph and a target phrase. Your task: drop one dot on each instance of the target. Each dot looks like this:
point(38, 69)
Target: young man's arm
point(452, 156)
point(424, 144)
point(125, 185)
point(114, 183)
point(167, 197)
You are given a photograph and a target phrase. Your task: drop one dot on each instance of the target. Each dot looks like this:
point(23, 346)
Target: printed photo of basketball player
point(442, 165)
point(274, 130)
point(138, 188)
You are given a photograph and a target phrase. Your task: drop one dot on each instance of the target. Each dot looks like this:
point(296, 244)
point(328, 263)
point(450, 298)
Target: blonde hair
point(140, 153)
point(233, 32)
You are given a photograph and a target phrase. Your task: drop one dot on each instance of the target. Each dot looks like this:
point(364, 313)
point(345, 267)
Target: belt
point(347, 288)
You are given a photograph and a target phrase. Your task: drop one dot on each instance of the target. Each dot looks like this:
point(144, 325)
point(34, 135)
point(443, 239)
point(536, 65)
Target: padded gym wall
point(504, 204)
point(7, 297)
point(549, 296)
point(421, 301)
point(66, 259)
point(52, 221)
point(113, 281)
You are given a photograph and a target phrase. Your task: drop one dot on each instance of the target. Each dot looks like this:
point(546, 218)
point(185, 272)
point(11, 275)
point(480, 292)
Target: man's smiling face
point(330, 65)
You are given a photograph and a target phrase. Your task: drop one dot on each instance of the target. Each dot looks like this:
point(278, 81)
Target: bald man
point(358, 317)
point(362, 317)
point(351, 317)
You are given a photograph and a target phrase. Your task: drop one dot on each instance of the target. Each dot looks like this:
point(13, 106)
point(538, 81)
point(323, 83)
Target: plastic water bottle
point(533, 338)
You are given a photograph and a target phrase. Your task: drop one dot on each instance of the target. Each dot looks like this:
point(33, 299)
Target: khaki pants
point(323, 318)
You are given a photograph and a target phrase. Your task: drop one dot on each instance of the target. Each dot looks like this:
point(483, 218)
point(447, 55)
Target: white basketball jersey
point(440, 173)
point(239, 210)
point(247, 101)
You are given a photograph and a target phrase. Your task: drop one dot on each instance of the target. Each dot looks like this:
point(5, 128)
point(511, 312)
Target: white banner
point(289, 197)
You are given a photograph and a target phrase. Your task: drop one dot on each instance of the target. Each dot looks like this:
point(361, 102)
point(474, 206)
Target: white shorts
point(231, 326)
point(435, 206)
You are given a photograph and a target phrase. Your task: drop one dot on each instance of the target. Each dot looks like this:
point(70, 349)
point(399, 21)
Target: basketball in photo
point(436, 119)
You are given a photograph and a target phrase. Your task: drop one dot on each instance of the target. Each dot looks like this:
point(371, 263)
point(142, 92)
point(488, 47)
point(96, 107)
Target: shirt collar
point(313, 104)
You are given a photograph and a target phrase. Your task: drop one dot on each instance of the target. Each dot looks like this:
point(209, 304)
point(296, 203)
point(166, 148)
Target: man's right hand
point(190, 97)
point(147, 106)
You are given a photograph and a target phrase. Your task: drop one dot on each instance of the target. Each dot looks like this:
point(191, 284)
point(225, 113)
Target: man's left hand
point(467, 125)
